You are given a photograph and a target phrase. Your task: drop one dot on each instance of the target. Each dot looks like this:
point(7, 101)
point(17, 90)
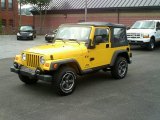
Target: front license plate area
point(27, 70)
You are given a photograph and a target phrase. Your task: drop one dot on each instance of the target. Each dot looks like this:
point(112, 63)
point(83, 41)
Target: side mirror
point(128, 28)
point(98, 39)
point(53, 36)
point(157, 28)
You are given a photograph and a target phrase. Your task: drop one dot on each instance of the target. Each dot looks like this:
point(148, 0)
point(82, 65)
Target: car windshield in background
point(73, 33)
point(26, 28)
point(143, 25)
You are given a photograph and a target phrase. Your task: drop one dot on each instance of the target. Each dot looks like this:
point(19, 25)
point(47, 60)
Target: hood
point(58, 50)
point(140, 30)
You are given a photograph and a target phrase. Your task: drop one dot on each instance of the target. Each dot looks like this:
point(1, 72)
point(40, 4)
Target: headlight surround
point(145, 35)
point(23, 56)
point(30, 34)
point(42, 60)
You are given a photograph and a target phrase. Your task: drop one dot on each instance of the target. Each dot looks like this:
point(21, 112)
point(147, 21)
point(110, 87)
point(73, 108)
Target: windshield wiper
point(74, 40)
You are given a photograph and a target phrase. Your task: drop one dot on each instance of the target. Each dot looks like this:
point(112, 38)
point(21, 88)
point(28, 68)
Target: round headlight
point(23, 56)
point(42, 60)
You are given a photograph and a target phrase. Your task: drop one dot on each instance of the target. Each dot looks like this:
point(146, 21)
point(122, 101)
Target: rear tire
point(65, 80)
point(120, 68)
point(27, 80)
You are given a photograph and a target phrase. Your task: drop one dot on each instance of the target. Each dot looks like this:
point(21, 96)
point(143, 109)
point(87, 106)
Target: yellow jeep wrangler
point(77, 49)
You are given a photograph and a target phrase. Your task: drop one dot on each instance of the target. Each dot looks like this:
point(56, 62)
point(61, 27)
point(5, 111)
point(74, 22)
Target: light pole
point(20, 16)
point(85, 10)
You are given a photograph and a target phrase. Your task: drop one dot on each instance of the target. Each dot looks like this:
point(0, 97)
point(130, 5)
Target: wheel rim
point(152, 45)
point(122, 68)
point(67, 82)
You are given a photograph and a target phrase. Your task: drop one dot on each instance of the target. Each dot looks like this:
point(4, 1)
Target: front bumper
point(24, 37)
point(49, 38)
point(32, 74)
point(138, 41)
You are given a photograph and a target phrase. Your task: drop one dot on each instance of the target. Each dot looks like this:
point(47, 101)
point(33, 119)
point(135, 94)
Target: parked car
point(26, 32)
point(144, 33)
point(49, 37)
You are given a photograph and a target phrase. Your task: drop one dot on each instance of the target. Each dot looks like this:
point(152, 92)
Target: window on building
point(3, 4)
point(11, 23)
point(10, 4)
point(4, 23)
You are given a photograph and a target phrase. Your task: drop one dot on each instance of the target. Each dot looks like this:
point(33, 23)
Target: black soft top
point(96, 24)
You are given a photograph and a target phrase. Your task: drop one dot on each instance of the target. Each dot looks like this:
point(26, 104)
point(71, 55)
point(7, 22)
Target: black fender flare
point(68, 62)
point(123, 53)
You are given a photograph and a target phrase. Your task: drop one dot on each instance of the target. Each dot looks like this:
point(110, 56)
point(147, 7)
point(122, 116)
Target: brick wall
point(10, 15)
point(26, 20)
point(126, 18)
point(129, 18)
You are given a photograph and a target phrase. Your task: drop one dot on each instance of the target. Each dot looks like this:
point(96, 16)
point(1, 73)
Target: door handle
point(107, 45)
point(91, 59)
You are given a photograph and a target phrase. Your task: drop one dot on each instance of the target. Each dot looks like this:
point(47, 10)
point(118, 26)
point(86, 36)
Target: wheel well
point(125, 55)
point(72, 65)
point(153, 38)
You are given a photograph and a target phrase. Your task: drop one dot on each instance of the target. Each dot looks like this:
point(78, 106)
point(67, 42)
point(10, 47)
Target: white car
point(144, 33)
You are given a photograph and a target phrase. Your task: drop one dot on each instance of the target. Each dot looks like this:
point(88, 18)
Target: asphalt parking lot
point(9, 46)
point(97, 96)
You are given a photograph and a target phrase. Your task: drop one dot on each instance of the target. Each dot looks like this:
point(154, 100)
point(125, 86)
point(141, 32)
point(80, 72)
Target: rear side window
point(119, 37)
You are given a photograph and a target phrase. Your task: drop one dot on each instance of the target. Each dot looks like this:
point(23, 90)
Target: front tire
point(120, 68)
point(151, 45)
point(27, 80)
point(18, 38)
point(32, 38)
point(65, 81)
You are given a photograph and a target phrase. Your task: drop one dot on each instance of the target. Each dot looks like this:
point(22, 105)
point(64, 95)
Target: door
point(101, 54)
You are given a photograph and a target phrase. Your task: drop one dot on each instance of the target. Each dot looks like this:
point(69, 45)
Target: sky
point(25, 10)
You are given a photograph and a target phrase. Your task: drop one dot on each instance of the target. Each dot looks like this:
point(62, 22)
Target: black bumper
point(49, 39)
point(24, 37)
point(32, 75)
point(138, 43)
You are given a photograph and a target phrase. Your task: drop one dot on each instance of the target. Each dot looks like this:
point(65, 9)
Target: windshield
point(26, 28)
point(73, 33)
point(143, 25)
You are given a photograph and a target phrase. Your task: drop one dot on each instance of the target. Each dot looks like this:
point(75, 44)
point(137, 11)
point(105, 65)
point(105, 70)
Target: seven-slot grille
point(33, 60)
point(133, 35)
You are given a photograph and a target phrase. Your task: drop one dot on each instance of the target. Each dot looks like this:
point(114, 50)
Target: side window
point(158, 25)
point(119, 37)
point(104, 33)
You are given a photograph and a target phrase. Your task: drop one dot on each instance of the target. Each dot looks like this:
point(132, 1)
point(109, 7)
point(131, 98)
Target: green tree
point(39, 6)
